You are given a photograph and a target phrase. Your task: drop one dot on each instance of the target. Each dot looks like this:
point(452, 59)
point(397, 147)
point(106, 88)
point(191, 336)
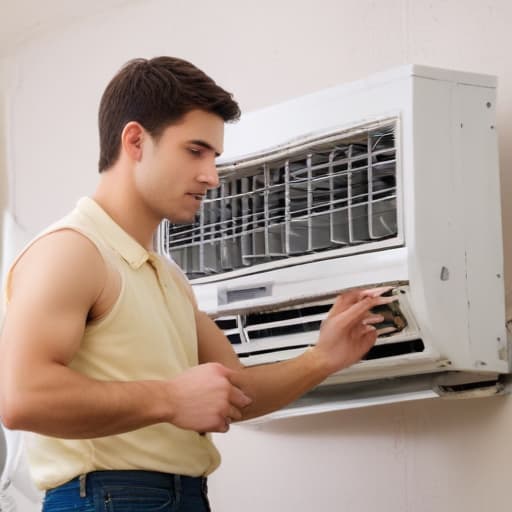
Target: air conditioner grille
point(376, 352)
point(331, 194)
point(286, 314)
point(287, 329)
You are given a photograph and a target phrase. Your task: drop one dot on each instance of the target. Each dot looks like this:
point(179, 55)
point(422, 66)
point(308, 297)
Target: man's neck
point(117, 197)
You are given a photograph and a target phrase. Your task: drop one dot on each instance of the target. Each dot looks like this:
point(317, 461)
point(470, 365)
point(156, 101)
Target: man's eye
point(195, 151)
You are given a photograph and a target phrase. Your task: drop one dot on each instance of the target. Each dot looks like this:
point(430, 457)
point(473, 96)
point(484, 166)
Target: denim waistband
point(133, 490)
point(89, 482)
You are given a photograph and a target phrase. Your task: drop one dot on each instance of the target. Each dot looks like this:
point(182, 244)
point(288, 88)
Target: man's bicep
point(37, 329)
point(213, 344)
point(51, 291)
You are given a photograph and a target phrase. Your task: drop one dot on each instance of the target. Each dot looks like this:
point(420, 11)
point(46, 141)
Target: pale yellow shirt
point(149, 334)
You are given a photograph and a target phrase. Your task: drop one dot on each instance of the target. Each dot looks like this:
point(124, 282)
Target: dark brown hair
point(156, 93)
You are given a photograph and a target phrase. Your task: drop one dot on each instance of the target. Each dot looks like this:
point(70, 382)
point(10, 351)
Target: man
point(105, 357)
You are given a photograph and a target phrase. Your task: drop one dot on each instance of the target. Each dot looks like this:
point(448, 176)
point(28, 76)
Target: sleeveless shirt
point(148, 334)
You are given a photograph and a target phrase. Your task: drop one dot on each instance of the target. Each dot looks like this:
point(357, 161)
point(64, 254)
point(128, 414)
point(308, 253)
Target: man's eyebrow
point(205, 145)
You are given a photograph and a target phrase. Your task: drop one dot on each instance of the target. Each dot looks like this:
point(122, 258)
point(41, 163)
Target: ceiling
point(25, 19)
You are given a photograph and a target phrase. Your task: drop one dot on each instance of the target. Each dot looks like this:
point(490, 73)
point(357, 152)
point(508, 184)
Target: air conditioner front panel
point(295, 284)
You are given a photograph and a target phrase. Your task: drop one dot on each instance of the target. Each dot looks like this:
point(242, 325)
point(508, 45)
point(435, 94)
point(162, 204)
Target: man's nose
point(209, 175)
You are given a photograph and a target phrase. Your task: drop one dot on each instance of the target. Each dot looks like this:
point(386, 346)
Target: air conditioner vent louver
point(285, 330)
point(286, 314)
point(258, 336)
point(334, 193)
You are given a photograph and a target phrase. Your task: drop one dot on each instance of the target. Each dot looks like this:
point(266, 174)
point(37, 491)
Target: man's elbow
point(12, 412)
point(9, 420)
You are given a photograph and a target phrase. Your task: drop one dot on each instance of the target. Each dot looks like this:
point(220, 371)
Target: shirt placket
point(164, 285)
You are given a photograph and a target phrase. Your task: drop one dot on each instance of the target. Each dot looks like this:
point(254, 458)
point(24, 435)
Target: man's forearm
point(275, 385)
point(68, 405)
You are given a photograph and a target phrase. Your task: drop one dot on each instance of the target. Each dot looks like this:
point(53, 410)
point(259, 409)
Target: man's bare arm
point(345, 337)
point(53, 288)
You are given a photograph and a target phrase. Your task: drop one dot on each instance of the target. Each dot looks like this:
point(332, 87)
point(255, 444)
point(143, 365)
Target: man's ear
point(132, 139)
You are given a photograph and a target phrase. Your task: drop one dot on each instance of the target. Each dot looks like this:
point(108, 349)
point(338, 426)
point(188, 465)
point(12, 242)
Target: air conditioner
point(391, 180)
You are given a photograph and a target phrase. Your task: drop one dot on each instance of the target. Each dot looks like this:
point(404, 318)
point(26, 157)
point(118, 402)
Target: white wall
point(3, 155)
point(412, 457)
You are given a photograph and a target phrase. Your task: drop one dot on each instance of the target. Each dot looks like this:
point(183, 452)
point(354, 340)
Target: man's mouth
point(199, 197)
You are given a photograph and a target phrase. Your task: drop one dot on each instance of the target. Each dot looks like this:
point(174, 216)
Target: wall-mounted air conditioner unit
point(390, 180)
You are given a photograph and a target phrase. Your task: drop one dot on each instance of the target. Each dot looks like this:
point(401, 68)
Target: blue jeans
point(129, 491)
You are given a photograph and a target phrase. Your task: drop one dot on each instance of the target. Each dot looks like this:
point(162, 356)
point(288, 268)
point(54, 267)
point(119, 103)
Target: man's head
point(156, 93)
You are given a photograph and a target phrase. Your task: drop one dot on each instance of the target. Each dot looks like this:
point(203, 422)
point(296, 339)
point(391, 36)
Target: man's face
point(176, 170)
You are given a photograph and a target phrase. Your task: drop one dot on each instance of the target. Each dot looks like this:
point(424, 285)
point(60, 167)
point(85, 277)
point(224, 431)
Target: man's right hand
point(348, 332)
point(203, 399)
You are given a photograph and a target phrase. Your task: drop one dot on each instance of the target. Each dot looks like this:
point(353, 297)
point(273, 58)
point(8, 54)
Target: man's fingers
point(386, 330)
point(344, 301)
point(385, 300)
point(376, 292)
point(351, 297)
point(238, 398)
point(365, 335)
point(234, 415)
point(357, 312)
point(373, 319)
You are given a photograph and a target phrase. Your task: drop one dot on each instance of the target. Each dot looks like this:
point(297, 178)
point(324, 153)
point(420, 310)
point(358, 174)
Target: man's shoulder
point(64, 257)
point(70, 238)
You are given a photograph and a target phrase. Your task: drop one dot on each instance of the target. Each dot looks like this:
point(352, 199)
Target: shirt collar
point(134, 253)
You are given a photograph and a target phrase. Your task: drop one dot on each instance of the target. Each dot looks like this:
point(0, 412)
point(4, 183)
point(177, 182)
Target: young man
point(105, 358)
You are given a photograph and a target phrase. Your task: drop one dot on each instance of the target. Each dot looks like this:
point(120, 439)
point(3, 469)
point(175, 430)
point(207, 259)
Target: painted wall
point(3, 154)
point(422, 456)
